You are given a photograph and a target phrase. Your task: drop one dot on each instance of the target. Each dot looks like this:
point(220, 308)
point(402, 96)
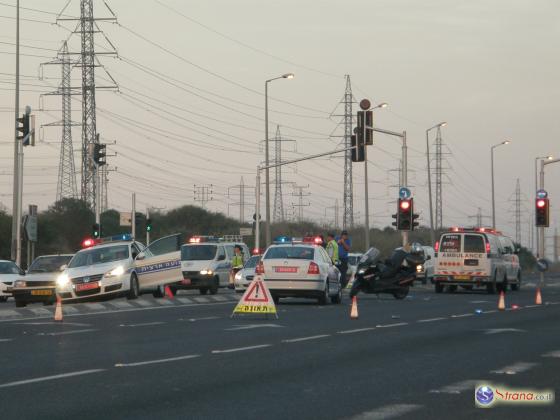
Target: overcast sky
point(190, 108)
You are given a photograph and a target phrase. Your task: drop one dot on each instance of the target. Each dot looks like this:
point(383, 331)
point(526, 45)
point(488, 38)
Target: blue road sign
point(542, 194)
point(404, 193)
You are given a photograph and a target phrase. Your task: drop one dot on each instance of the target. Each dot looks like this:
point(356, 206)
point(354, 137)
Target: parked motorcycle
point(394, 276)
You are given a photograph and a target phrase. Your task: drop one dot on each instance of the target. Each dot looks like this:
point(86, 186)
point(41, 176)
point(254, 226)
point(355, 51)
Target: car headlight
point(419, 268)
point(62, 280)
point(361, 271)
point(117, 271)
point(206, 272)
point(20, 283)
point(238, 275)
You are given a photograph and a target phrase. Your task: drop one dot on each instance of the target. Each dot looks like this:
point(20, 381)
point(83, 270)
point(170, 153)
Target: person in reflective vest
point(236, 265)
point(332, 248)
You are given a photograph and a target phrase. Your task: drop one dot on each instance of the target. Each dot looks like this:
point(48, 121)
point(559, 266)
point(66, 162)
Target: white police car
point(104, 267)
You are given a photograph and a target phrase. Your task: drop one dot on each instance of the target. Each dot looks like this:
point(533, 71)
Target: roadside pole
point(16, 232)
point(147, 231)
point(133, 216)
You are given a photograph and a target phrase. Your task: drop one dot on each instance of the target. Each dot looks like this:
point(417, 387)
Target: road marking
point(357, 330)
point(398, 324)
point(68, 332)
point(164, 301)
point(219, 298)
point(387, 412)
point(518, 367)
point(502, 330)
point(532, 306)
point(142, 302)
point(552, 354)
point(461, 315)
point(151, 362)
point(184, 300)
point(121, 304)
point(261, 346)
point(4, 340)
point(77, 324)
point(206, 318)
point(40, 311)
point(479, 301)
point(490, 312)
point(457, 387)
point(313, 337)
point(95, 306)
point(145, 324)
point(69, 310)
point(201, 299)
point(431, 319)
point(51, 378)
point(8, 312)
point(253, 326)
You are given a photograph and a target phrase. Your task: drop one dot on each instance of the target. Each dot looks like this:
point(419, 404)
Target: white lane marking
point(77, 324)
point(68, 332)
point(206, 318)
point(387, 412)
point(69, 310)
point(144, 324)
point(8, 312)
point(151, 362)
point(461, 315)
point(479, 301)
point(40, 311)
point(313, 337)
point(141, 302)
point(431, 319)
point(184, 300)
point(95, 306)
point(51, 378)
point(164, 301)
point(502, 330)
point(261, 346)
point(398, 324)
point(490, 312)
point(201, 299)
point(518, 367)
point(457, 387)
point(357, 330)
point(121, 304)
point(4, 340)
point(219, 298)
point(253, 326)
point(552, 354)
point(531, 306)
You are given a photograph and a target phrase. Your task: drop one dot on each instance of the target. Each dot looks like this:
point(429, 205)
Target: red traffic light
point(541, 203)
point(405, 204)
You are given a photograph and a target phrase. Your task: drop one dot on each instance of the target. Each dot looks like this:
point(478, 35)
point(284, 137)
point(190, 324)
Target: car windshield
point(99, 256)
point(291, 252)
point(198, 252)
point(252, 262)
point(354, 259)
point(48, 264)
point(8, 267)
point(474, 243)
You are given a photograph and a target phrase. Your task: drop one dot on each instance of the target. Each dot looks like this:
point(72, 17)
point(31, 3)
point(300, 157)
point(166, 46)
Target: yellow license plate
point(467, 277)
point(41, 292)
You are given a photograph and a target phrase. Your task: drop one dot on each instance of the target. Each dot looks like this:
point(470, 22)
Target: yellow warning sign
point(256, 299)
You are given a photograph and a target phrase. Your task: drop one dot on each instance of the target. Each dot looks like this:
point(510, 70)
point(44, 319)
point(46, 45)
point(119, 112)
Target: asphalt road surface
point(420, 358)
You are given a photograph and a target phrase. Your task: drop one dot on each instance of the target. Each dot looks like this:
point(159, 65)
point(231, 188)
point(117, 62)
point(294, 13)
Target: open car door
point(160, 263)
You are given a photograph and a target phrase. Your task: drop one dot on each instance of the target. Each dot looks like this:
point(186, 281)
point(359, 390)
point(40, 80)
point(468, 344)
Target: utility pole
point(518, 213)
point(203, 193)
point(300, 205)
point(439, 173)
point(16, 222)
point(133, 216)
point(348, 218)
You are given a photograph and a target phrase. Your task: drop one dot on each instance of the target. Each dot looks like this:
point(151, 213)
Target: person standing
point(344, 244)
point(236, 265)
point(332, 248)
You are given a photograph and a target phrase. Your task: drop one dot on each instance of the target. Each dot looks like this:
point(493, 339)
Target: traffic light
point(100, 154)
point(148, 225)
point(395, 216)
point(26, 126)
point(414, 222)
point(542, 212)
point(96, 231)
point(358, 153)
point(404, 214)
point(365, 123)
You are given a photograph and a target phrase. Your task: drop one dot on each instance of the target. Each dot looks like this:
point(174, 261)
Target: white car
point(246, 275)
point(425, 272)
point(353, 260)
point(103, 267)
point(294, 268)
point(9, 272)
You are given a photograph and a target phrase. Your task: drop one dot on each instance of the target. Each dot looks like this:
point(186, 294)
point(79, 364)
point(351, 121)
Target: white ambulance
point(474, 258)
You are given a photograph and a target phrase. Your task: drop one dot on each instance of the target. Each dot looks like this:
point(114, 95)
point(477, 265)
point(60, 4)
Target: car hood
point(9, 278)
point(198, 265)
point(89, 270)
point(40, 277)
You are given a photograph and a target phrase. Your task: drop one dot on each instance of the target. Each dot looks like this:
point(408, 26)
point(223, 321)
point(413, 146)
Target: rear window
point(292, 252)
point(198, 252)
point(450, 243)
point(252, 262)
point(474, 243)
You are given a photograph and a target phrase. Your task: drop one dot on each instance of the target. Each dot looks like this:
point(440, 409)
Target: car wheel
point(338, 297)
point(3, 298)
point(323, 298)
point(517, 284)
point(203, 290)
point(134, 291)
point(20, 304)
point(159, 292)
point(452, 289)
point(401, 293)
point(214, 288)
point(439, 287)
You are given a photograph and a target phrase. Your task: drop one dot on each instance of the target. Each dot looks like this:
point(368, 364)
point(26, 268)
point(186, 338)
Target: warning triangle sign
point(256, 299)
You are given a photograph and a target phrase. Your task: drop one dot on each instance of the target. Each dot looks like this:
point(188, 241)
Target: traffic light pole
point(366, 192)
point(147, 230)
point(16, 232)
point(133, 216)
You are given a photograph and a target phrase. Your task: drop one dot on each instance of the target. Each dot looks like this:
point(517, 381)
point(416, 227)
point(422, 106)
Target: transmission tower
point(242, 200)
point(518, 212)
point(66, 186)
point(298, 192)
point(278, 213)
point(348, 218)
point(479, 217)
point(203, 193)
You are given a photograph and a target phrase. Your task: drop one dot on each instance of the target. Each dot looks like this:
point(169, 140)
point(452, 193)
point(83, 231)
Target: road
point(419, 358)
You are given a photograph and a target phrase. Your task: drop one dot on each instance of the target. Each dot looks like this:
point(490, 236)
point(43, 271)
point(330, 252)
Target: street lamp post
point(432, 233)
point(536, 188)
point(266, 158)
point(492, 171)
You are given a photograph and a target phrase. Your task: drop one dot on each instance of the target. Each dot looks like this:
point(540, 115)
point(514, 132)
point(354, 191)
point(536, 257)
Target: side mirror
point(221, 257)
point(140, 256)
point(63, 267)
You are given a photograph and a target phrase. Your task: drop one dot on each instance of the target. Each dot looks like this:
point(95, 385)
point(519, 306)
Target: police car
point(9, 272)
point(246, 275)
point(476, 257)
point(103, 267)
point(300, 268)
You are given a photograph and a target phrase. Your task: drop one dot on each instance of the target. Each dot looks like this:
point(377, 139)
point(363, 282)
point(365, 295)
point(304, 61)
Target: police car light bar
point(317, 240)
point(282, 240)
point(200, 238)
point(89, 242)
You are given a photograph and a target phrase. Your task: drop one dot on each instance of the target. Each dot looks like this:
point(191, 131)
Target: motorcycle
point(394, 276)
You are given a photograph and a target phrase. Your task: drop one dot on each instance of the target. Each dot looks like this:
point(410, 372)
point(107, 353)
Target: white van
point(206, 263)
point(477, 257)
point(425, 272)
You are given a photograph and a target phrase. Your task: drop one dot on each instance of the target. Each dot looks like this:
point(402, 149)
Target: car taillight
point(260, 268)
point(313, 268)
point(436, 247)
point(488, 248)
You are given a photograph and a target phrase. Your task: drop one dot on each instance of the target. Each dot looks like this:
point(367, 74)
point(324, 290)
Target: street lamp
point(267, 172)
point(432, 233)
point(492, 170)
point(549, 157)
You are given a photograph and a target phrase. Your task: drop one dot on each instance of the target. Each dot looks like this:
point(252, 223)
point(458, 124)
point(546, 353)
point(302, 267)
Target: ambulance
point(476, 258)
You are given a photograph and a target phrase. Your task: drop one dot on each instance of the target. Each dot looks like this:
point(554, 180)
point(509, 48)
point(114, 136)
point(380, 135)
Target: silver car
point(244, 276)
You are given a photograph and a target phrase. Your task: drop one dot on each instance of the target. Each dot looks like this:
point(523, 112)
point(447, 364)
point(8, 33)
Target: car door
point(160, 262)
point(222, 266)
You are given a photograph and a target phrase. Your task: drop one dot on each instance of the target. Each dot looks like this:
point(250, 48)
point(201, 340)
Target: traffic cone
point(501, 302)
point(538, 299)
point(168, 293)
point(58, 309)
point(354, 310)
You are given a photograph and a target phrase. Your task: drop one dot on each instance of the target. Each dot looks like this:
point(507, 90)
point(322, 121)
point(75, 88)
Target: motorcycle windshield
point(372, 256)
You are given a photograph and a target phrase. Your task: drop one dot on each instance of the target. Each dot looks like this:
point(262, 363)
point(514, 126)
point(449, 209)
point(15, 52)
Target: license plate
point(41, 292)
point(465, 277)
point(186, 282)
point(86, 286)
point(286, 269)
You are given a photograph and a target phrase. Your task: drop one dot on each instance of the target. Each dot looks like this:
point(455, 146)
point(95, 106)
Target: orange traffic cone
point(538, 299)
point(58, 309)
point(501, 302)
point(354, 310)
point(168, 293)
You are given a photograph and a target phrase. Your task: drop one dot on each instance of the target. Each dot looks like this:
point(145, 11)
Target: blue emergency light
point(282, 240)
